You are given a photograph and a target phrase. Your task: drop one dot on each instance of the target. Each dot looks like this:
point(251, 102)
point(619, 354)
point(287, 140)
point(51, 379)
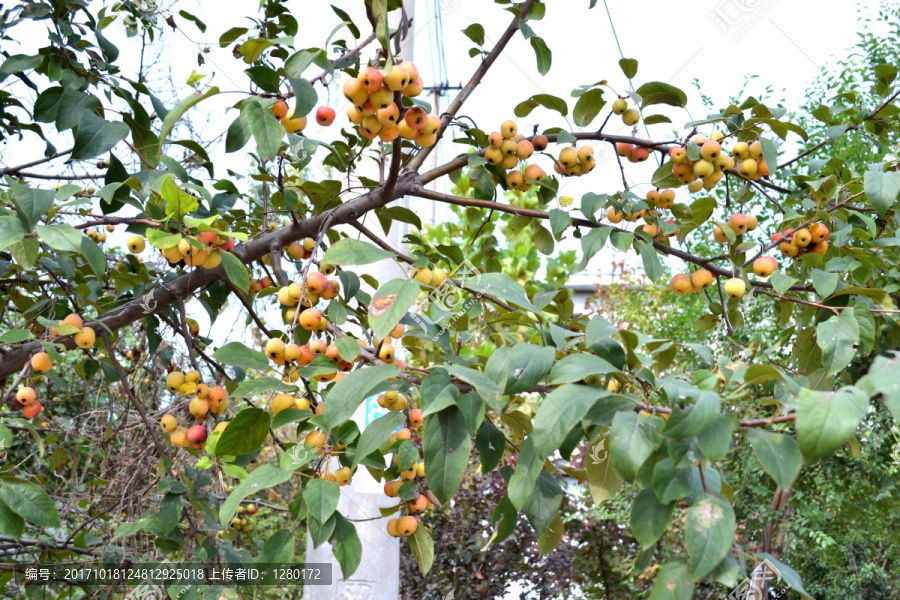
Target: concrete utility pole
point(378, 575)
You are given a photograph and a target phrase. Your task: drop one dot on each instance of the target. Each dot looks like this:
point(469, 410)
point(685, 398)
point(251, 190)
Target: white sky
point(784, 42)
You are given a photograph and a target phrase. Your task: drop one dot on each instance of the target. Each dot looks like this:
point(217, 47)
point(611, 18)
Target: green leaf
point(629, 67)
point(346, 395)
point(542, 506)
point(19, 63)
point(375, 434)
point(60, 237)
point(321, 498)
point(174, 115)
point(398, 295)
point(826, 420)
point(264, 126)
point(422, 547)
point(543, 54)
point(305, 96)
point(97, 136)
point(709, 532)
point(604, 481)
point(836, 337)
point(11, 231)
point(29, 502)
point(31, 204)
point(11, 524)
point(447, 446)
point(672, 582)
point(262, 478)
point(588, 107)
point(238, 134)
point(779, 455)
point(652, 267)
point(655, 92)
point(552, 536)
point(236, 271)
point(632, 439)
point(671, 483)
point(354, 252)
point(278, 549)
point(232, 35)
point(824, 282)
point(486, 387)
point(882, 189)
point(94, 256)
point(592, 243)
point(178, 202)
point(474, 32)
point(245, 433)
point(560, 411)
point(520, 367)
point(502, 286)
point(649, 517)
point(438, 392)
point(882, 379)
point(14, 336)
point(73, 105)
point(253, 387)
point(688, 422)
point(236, 354)
point(781, 282)
point(348, 548)
point(523, 109)
point(575, 367)
point(491, 443)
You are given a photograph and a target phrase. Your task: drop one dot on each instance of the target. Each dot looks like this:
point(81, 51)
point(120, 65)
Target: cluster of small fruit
point(374, 109)
point(203, 250)
point(405, 526)
point(242, 521)
point(705, 171)
point(632, 152)
point(701, 279)
point(630, 116)
point(317, 286)
point(291, 123)
point(739, 224)
point(507, 148)
point(204, 400)
point(796, 243)
point(292, 356)
point(98, 237)
point(574, 162)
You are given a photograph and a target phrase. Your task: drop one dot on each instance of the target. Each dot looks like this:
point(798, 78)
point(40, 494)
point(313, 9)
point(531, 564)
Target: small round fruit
point(765, 266)
point(631, 117)
point(197, 434)
point(199, 408)
point(393, 528)
point(407, 526)
point(509, 129)
point(179, 437)
point(681, 284)
point(701, 279)
point(316, 438)
point(217, 395)
point(282, 402)
point(620, 106)
point(310, 319)
point(32, 410)
point(174, 381)
point(275, 348)
point(136, 244)
point(85, 338)
point(41, 362)
point(26, 395)
point(168, 423)
point(325, 116)
point(802, 238)
point(415, 418)
point(280, 109)
point(735, 287)
point(819, 232)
